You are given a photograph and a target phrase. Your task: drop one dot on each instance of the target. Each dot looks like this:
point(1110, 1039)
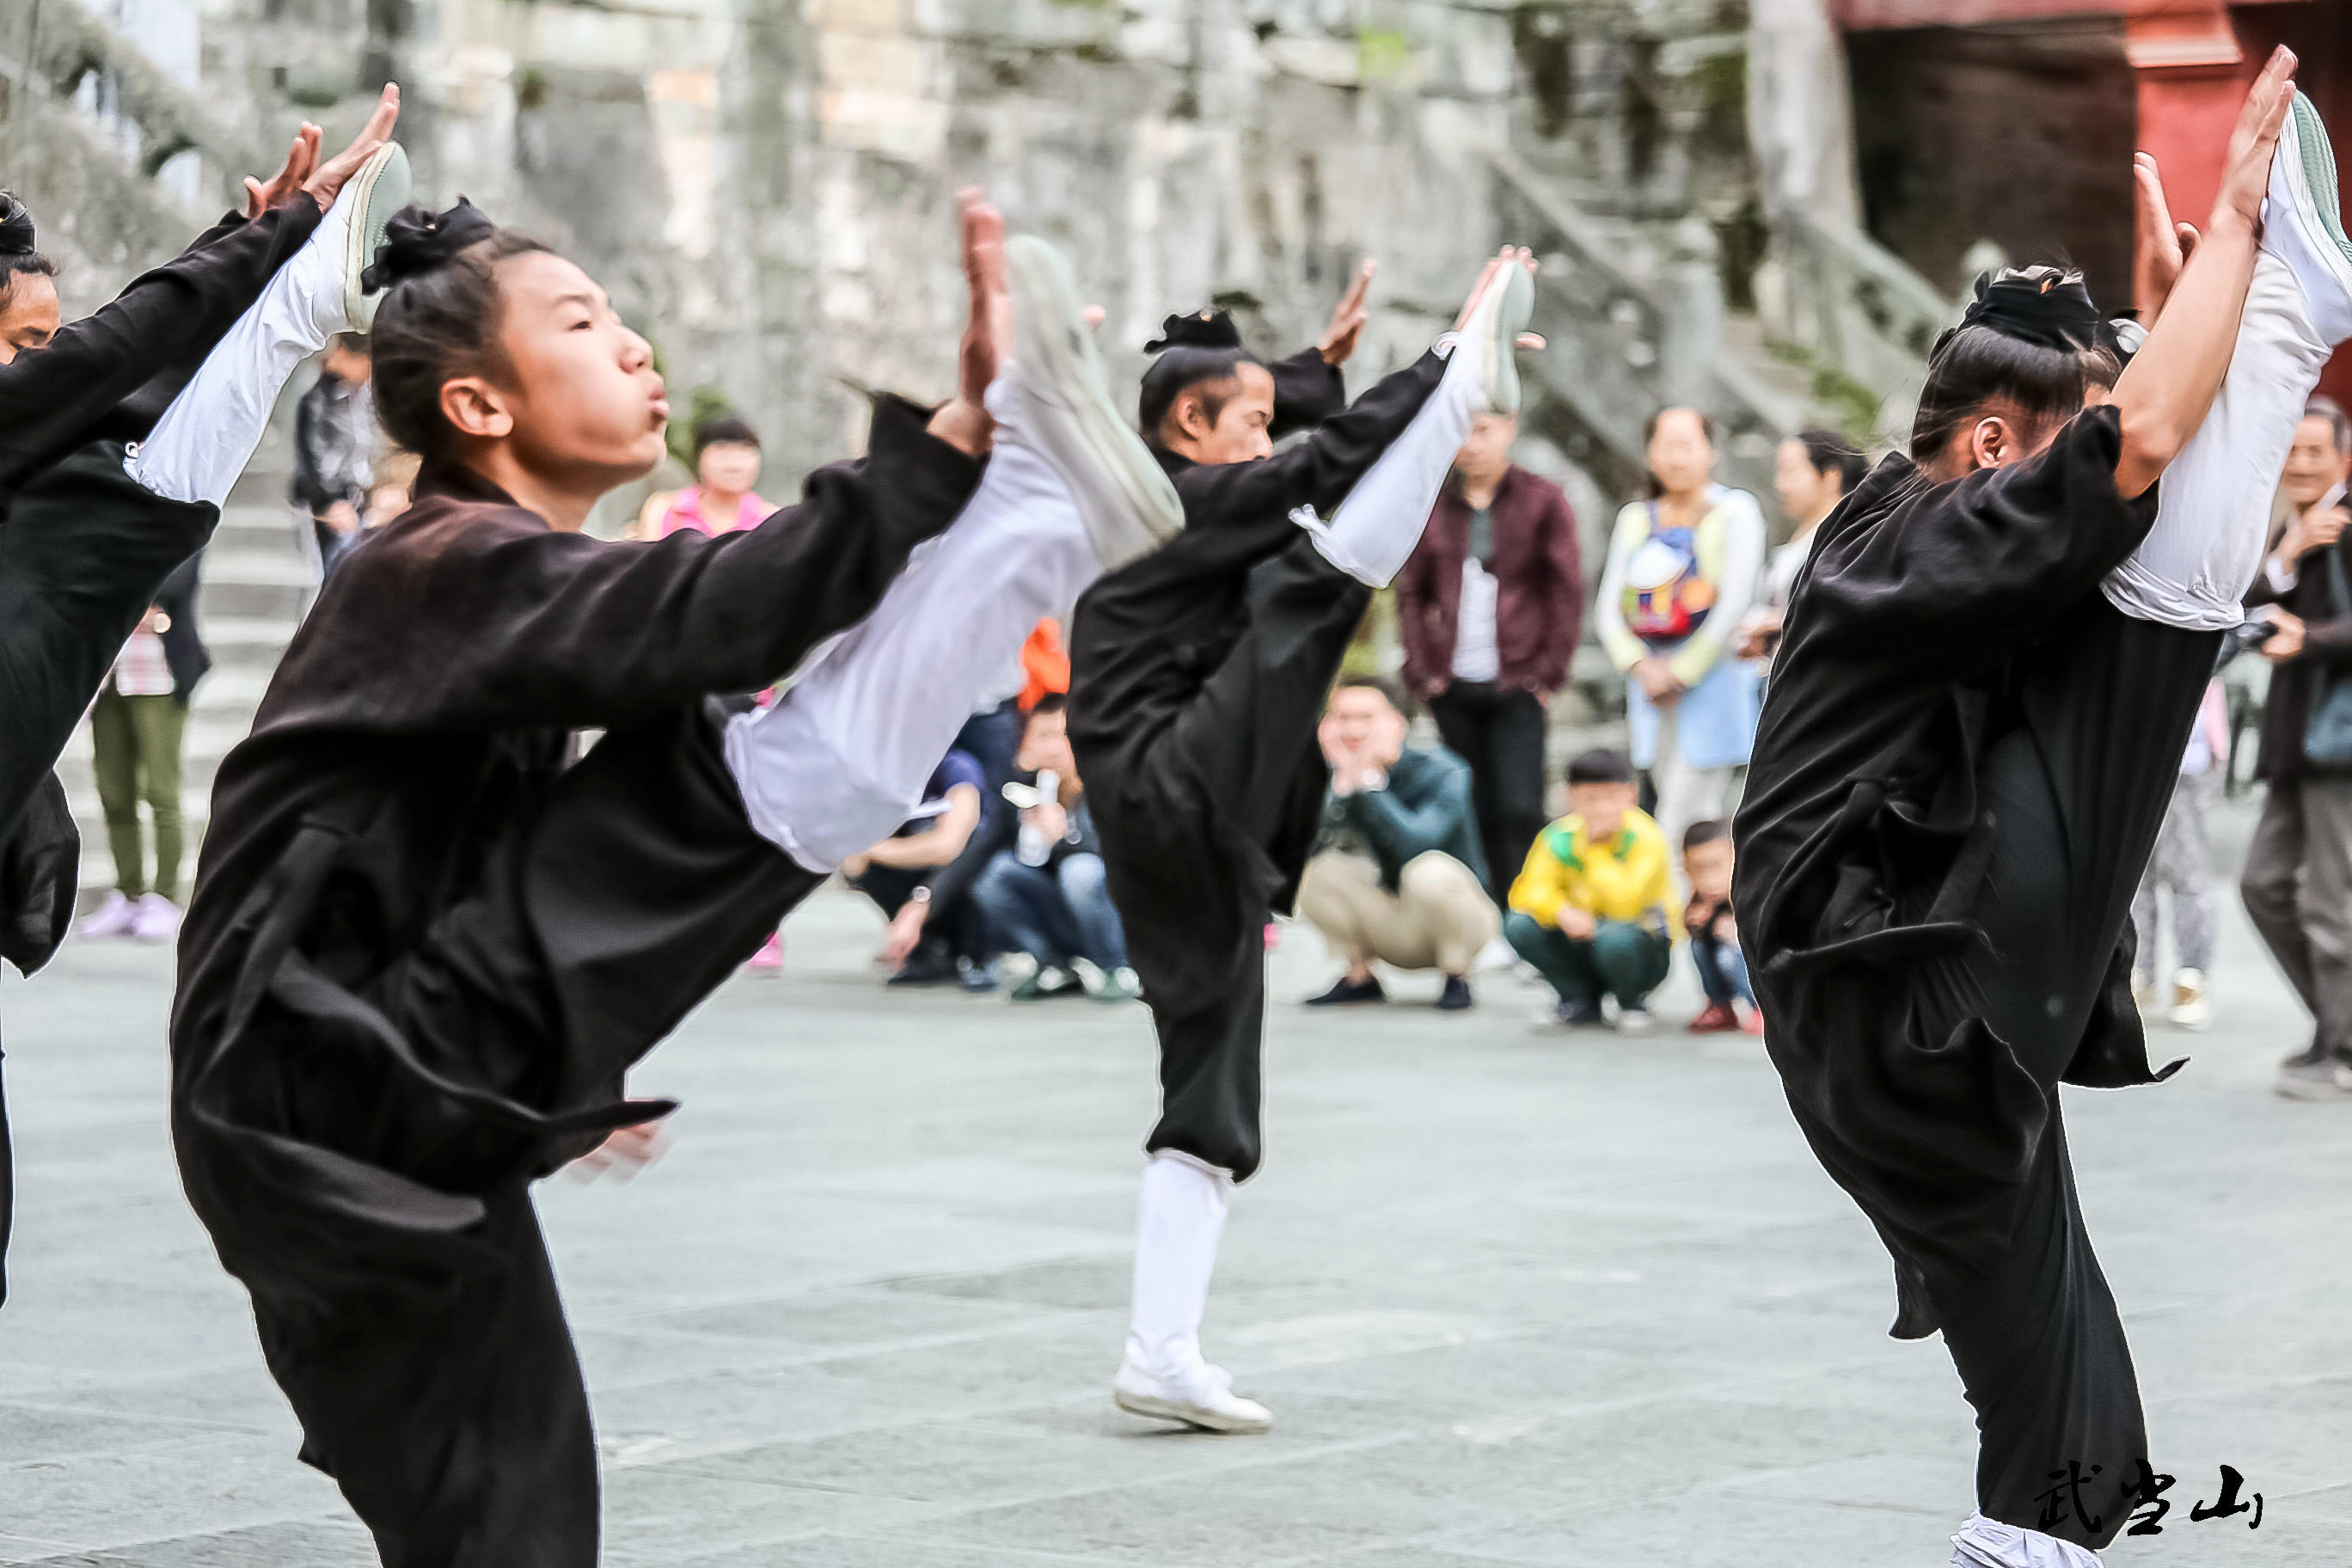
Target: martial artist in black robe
point(421, 953)
point(83, 548)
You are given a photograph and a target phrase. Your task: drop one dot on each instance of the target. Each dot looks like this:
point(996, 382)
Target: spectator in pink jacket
point(1490, 608)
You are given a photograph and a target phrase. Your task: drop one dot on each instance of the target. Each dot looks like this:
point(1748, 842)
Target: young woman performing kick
point(84, 547)
point(1989, 668)
point(422, 952)
point(1197, 677)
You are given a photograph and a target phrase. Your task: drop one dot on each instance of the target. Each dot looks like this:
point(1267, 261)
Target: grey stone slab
point(40, 1433)
point(293, 1544)
point(108, 1500)
point(662, 1514)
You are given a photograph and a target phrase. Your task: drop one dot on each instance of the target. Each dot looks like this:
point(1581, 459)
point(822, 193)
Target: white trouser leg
point(1375, 529)
point(2213, 504)
point(1179, 1221)
point(840, 759)
point(207, 435)
point(1986, 1543)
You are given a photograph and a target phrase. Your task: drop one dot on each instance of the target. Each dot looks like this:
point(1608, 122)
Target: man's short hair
point(1388, 689)
point(1050, 702)
point(1601, 766)
point(1702, 833)
point(349, 343)
point(2338, 423)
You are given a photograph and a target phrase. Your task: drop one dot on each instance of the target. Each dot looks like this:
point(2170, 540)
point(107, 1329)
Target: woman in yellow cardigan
point(1593, 908)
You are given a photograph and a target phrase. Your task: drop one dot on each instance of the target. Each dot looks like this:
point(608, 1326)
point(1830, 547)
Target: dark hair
point(439, 321)
point(1179, 370)
point(1703, 833)
point(18, 258)
point(1986, 359)
point(1651, 488)
point(1047, 703)
point(1830, 452)
point(1390, 691)
point(1600, 767)
point(2339, 425)
point(349, 343)
point(724, 427)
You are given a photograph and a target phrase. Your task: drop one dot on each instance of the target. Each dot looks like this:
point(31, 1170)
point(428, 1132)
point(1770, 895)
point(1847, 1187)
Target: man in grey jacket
point(1398, 875)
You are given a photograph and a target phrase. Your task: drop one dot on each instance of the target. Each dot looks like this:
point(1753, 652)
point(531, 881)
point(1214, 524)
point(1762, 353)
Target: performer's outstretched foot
point(1492, 332)
point(2304, 224)
point(1205, 1399)
point(379, 190)
point(1053, 399)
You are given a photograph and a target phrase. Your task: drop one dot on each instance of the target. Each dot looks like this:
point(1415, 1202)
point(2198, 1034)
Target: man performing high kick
point(1197, 677)
point(1990, 666)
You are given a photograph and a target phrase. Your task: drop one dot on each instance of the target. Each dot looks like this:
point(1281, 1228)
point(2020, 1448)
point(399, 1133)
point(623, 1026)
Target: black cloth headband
point(1200, 330)
point(16, 236)
point(2046, 307)
point(419, 241)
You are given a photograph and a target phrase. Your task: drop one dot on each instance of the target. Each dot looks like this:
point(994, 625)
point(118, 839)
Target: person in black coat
point(84, 546)
point(1988, 674)
point(1197, 674)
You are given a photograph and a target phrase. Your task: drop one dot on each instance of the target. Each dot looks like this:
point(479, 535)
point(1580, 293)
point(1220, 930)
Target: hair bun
point(2044, 305)
point(419, 241)
point(16, 236)
point(1200, 330)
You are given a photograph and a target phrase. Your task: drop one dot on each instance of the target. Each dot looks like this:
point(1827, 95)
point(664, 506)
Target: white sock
point(839, 760)
point(207, 435)
point(1375, 529)
point(1988, 1543)
point(1178, 1220)
point(2213, 504)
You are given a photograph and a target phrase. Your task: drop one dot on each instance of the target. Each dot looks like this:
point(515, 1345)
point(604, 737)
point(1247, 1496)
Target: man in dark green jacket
point(1397, 876)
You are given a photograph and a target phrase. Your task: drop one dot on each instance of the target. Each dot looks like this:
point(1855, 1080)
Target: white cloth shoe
point(379, 190)
point(1491, 336)
point(1988, 1543)
point(1203, 1398)
point(113, 917)
point(2304, 224)
point(1053, 399)
point(157, 918)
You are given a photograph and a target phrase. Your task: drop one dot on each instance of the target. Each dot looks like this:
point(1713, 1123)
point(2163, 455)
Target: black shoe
point(930, 964)
point(1345, 993)
point(1576, 1015)
point(979, 979)
point(1455, 997)
point(2310, 1055)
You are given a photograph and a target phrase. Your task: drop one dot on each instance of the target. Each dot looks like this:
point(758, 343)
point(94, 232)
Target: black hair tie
point(2042, 306)
point(1199, 330)
point(16, 236)
point(419, 241)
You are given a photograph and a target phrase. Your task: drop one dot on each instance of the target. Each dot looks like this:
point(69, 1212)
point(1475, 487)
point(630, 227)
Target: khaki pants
point(1438, 919)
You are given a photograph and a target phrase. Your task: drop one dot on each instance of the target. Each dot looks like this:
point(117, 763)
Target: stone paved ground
point(1514, 1300)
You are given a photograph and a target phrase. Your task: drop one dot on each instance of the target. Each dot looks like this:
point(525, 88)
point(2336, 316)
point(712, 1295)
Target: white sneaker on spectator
point(158, 919)
point(113, 917)
point(1635, 1021)
point(2192, 1000)
point(1204, 1398)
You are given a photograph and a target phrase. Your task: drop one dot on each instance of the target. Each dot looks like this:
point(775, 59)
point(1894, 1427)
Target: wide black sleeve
point(534, 626)
point(1962, 575)
point(146, 342)
point(1308, 390)
point(1236, 513)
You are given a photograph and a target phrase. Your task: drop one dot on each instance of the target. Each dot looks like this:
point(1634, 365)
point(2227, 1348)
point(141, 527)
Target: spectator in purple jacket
point(1490, 607)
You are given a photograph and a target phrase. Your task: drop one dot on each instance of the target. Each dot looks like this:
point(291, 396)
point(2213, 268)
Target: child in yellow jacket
point(1593, 908)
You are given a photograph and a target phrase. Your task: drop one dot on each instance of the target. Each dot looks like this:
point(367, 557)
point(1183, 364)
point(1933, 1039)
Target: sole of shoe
point(1496, 321)
point(379, 189)
point(1123, 494)
point(2311, 1090)
point(2303, 176)
point(1207, 1420)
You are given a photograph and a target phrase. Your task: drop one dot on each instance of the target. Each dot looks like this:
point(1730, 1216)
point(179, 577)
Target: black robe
point(1197, 674)
point(83, 551)
point(1965, 756)
point(423, 951)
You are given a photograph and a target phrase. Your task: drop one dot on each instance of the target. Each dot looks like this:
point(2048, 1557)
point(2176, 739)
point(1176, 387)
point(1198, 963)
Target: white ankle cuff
point(1988, 1543)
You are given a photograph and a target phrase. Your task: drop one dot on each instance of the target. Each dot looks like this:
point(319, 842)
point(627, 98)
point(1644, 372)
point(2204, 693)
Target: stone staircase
point(251, 588)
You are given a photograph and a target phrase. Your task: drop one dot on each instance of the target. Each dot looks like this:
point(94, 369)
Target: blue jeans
point(1055, 913)
point(1722, 971)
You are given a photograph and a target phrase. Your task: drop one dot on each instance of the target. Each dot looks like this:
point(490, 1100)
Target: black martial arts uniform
point(83, 550)
point(421, 953)
point(1197, 674)
point(1965, 756)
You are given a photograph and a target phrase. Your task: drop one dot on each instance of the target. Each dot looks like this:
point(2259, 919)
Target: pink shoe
point(114, 918)
point(769, 959)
